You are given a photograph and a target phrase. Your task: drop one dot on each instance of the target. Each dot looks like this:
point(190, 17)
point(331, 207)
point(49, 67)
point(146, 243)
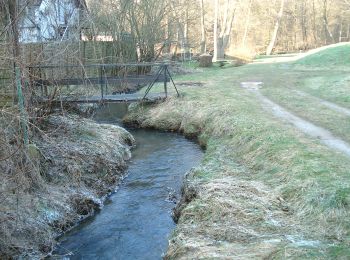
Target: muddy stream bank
point(136, 222)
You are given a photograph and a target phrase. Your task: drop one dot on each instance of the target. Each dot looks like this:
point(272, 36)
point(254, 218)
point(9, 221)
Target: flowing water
point(136, 222)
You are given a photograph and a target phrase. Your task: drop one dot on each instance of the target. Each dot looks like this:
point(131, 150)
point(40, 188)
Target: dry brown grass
point(61, 177)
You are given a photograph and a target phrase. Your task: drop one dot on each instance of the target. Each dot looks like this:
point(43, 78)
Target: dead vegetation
point(61, 177)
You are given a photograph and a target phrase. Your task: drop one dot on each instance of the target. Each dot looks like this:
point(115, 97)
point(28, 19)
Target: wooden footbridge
point(96, 83)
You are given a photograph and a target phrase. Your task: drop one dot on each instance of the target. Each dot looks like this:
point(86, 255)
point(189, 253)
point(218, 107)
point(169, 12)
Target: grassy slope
point(264, 189)
point(328, 76)
point(334, 56)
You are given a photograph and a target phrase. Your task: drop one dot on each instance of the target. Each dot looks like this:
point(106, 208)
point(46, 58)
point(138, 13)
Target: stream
point(135, 222)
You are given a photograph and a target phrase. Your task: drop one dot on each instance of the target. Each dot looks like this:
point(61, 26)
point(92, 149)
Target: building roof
point(78, 3)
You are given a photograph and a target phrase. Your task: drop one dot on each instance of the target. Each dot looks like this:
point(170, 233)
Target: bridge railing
point(52, 81)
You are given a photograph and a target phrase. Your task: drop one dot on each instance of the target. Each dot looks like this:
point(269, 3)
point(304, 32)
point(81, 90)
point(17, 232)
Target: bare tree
point(275, 31)
point(246, 28)
point(222, 30)
point(216, 30)
point(203, 34)
point(10, 9)
point(328, 34)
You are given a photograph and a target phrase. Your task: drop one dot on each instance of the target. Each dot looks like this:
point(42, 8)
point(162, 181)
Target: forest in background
point(237, 26)
point(221, 27)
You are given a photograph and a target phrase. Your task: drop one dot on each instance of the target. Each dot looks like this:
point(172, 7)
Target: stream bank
point(254, 196)
point(136, 221)
point(71, 165)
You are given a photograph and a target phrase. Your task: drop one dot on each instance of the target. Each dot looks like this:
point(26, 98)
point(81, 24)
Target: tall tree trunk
point(180, 26)
point(275, 31)
point(225, 31)
point(216, 18)
point(13, 35)
point(203, 36)
point(246, 28)
point(185, 45)
point(327, 32)
point(340, 31)
point(168, 36)
point(227, 34)
point(314, 28)
point(220, 49)
point(303, 22)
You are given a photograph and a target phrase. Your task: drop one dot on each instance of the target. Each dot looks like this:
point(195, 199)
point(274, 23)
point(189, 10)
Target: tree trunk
point(314, 28)
point(275, 32)
point(186, 50)
point(303, 23)
point(340, 31)
point(220, 49)
point(168, 36)
point(247, 24)
point(327, 32)
point(228, 27)
point(223, 39)
point(203, 36)
point(216, 30)
point(13, 34)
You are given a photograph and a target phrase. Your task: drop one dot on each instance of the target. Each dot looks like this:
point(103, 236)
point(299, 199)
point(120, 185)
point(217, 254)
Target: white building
point(52, 20)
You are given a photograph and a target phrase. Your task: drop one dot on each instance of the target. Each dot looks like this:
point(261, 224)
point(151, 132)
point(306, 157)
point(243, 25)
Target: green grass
point(311, 109)
point(336, 56)
point(261, 181)
point(329, 85)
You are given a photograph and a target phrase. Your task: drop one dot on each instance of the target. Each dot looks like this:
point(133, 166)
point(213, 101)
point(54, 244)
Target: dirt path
point(335, 107)
point(325, 136)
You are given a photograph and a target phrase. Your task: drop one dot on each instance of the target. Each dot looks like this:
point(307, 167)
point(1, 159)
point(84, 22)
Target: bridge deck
point(119, 98)
point(137, 80)
point(148, 80)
